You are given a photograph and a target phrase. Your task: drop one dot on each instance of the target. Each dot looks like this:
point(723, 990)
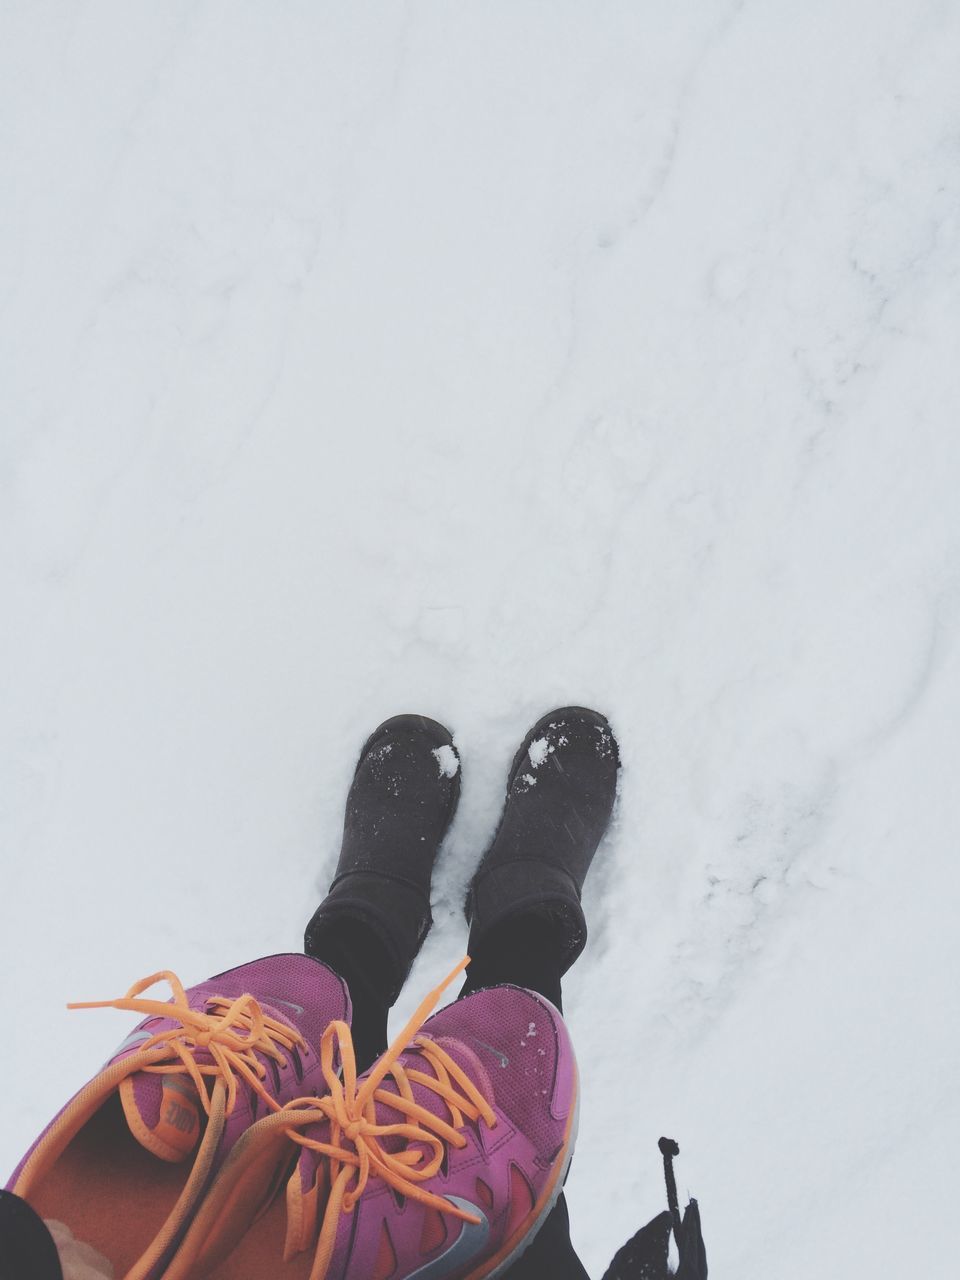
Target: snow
point(471, 361)
point(538, 751)
point(447, 761)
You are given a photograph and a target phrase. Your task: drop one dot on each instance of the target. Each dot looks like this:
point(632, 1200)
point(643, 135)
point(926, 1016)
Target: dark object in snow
point(560, 794)
point(644, 1257)
point(402, 799)
point(27, 1250)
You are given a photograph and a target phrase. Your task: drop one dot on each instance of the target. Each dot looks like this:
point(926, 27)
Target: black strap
point(669, 1149)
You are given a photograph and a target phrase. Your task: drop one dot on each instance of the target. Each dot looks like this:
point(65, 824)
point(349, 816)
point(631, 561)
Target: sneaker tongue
point(163, 1113)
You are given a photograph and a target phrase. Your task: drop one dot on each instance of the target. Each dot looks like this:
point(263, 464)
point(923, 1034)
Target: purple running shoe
point(442, 1161)
point(126, 1162)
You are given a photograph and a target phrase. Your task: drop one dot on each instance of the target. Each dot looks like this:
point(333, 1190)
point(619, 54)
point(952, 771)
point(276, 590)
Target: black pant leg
point(354, 951)
point(525, 951)
point(551, 1256)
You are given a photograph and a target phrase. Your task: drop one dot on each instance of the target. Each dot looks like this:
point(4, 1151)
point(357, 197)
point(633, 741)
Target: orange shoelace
point(233, 1036)
point(355, 1153)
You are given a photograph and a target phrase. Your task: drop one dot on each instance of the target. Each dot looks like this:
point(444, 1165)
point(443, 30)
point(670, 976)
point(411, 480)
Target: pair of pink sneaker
point(229, 1135)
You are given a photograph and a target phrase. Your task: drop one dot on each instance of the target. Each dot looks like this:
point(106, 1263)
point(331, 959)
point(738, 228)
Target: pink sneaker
point(443, 1160)
point(126, 1161)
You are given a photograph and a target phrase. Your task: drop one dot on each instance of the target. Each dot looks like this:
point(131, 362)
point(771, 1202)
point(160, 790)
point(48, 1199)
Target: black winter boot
point(401, 802)
point(560, 796)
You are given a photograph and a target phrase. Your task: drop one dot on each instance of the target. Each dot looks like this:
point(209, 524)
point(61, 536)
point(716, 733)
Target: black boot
point(560, 796)
point(377, 911)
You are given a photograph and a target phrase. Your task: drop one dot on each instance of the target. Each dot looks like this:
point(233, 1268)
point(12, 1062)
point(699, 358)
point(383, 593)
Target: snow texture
point(447, 761)
point(653, 311)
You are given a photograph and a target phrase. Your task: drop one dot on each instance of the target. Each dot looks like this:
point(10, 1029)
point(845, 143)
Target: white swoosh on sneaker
point(500, 1057)
point(297, 1008)
point(471, 1242)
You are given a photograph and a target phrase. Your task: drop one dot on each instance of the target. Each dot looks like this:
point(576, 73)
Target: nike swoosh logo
point(500, 1057)
point(471, 1242)
point(288, 1004)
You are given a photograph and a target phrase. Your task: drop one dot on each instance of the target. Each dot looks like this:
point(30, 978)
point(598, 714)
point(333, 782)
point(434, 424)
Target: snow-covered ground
point(474, 359)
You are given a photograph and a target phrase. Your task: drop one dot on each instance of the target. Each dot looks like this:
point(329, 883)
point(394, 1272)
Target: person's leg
point(372, 922)
point(526, 922)
point(551, 1253)
point(354, 951)
point(526, 951)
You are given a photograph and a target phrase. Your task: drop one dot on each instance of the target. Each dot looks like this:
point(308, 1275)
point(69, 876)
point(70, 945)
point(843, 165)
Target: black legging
point(524, 952)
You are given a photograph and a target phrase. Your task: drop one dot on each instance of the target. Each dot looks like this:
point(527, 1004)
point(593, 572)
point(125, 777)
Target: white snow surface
point(654, 311)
